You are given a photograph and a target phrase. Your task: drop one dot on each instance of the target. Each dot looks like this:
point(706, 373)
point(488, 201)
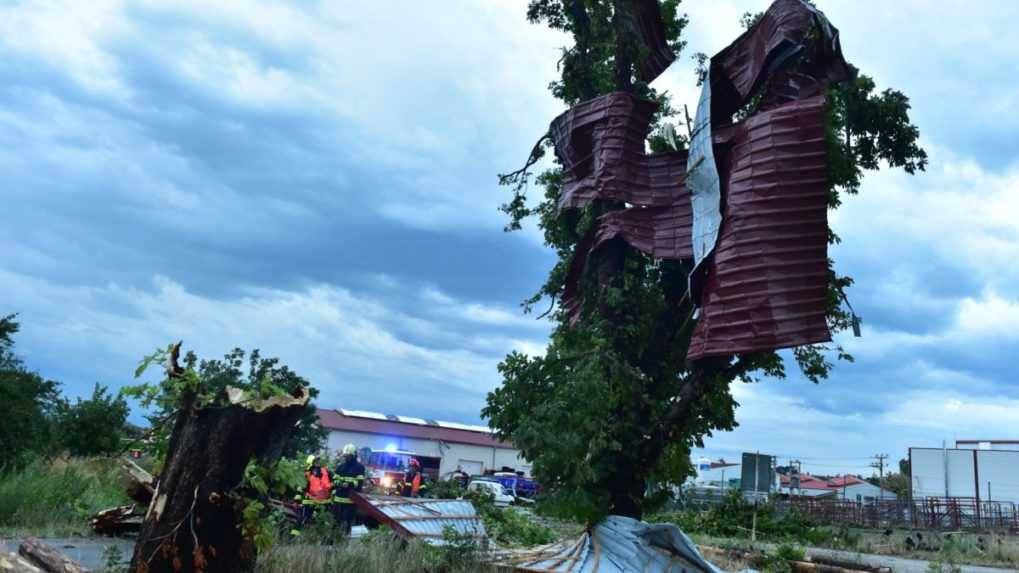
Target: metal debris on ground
point(425, 519)
point(617, 545)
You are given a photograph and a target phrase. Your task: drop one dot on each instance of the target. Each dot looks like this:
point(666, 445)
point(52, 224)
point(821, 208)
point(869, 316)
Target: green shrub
point(509, 526)
point(379, 551)
point(734, 517)
point(58, 497)
point(446, 489)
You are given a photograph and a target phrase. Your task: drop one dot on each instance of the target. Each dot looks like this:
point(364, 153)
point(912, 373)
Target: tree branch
point(536, 154)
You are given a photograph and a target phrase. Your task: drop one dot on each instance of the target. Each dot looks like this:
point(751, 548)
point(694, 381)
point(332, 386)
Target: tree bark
point(14, 563)
point(141, 485)
point(47, 558)
point(192, 522)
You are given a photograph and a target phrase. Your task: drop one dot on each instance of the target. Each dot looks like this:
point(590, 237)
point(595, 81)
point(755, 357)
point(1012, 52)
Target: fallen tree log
point(140, 485)
point(14, 563)
point(194, 522)
point(47, 558)
point(117, 520)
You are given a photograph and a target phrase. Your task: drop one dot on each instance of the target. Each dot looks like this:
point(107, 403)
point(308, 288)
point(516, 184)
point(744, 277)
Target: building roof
point(408, 427)
point(807, 481)
point(845, 481)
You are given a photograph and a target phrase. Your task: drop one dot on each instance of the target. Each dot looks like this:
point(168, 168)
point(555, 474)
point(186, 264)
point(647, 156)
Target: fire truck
point(386, 467)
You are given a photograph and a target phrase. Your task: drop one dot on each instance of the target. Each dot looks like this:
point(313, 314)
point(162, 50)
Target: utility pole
point(879, 463)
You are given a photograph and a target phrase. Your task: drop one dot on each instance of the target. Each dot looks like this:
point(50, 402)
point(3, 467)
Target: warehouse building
point(441, 446)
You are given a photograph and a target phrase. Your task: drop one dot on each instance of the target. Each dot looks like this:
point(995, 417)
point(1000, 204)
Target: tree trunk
point(47, 558)
point(192, 524)
point(14, 563)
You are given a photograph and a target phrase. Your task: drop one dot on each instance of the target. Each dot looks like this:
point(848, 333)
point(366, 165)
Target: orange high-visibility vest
point(415, 485)
point(319, 488)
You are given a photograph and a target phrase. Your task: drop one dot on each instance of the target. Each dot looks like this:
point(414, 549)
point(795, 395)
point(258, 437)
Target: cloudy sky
point(317, 180)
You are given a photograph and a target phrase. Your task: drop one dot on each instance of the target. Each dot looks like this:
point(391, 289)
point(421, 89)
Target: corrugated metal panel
point(657, 55)
point(617, 545)
point(767, 283)
point(425, 519)
point(782, 32)
point(600, 144)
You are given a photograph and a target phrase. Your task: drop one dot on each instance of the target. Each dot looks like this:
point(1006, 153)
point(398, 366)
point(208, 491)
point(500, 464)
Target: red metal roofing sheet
point(784, 30)
point(767, 283)
point(333, 420)
point(600, 144)
point(651, 35)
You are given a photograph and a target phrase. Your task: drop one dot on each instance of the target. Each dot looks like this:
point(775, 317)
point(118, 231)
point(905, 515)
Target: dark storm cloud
point(282, 178)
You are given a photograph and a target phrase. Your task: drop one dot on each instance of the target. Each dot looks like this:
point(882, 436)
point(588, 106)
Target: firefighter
point(348, 477)
point(318, 492)
point(413, 484)
point(459, 476)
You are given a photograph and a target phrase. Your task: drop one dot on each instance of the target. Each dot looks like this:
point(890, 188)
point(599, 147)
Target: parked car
point(517, 485)
point(500, 494)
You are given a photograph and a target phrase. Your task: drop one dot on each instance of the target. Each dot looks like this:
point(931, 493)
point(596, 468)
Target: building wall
point(989, 474)
point(451, 454)
point(864, 492)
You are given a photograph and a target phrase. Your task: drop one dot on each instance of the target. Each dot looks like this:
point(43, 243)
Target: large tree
point(27, 404)
point(97, 425)
point(609, 414)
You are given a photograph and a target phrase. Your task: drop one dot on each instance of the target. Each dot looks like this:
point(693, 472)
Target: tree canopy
point(609, 414)
point(27, 404)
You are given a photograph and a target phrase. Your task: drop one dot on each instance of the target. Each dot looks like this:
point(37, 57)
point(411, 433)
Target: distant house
point(804, 485)
point(850, 488)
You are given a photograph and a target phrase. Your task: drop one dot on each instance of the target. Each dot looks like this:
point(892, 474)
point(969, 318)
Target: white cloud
point(828, 442)
point(348, 345)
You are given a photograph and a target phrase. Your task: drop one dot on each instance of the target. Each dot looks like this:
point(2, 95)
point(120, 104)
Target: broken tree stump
point(47, 558)
point(193, 522)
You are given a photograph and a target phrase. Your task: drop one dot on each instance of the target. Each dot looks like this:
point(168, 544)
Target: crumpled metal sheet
point(748, 203)
point(422, 518)
point(767, 283)
point(783, 31)
point(657, 55)
point(703, 182)
point(616, 545)
point(600, 144)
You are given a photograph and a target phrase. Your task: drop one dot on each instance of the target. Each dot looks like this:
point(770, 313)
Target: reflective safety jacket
point(320, 487)
point(349, 477)
point(413, 484)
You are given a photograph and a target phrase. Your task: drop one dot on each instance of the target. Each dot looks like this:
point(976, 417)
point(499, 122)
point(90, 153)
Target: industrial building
point(982, 470)
point(441, 446)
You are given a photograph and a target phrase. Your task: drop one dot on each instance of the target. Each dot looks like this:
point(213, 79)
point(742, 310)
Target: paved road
point(88, 552)
point(897, 564)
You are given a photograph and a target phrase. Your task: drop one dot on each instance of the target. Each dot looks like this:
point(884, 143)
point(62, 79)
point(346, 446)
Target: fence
point(951, 513)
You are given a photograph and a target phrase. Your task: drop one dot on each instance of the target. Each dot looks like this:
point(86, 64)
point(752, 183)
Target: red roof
point(807, 481)
point(844, 481)
point(334, 420)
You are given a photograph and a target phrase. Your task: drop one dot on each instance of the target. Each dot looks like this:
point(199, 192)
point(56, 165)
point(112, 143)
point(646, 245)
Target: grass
point(380, 552)
point(56, 498)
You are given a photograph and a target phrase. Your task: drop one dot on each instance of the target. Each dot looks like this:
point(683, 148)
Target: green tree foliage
point(94, 426)
point(27, 404)
point(609, 414)
point(203, 382)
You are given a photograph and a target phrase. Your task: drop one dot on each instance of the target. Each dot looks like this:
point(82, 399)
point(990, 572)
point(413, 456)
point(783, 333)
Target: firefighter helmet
point(350, 450)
